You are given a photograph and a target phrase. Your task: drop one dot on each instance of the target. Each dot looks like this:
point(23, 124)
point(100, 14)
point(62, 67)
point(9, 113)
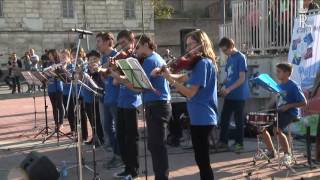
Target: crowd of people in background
point(30, 61)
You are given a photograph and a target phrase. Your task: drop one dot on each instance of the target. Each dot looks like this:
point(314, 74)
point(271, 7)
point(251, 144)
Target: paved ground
point(17, 139)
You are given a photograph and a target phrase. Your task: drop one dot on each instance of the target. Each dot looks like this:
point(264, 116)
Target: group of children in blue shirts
point(120, 102)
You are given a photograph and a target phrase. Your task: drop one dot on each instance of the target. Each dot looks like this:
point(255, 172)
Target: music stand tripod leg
point(44, 130)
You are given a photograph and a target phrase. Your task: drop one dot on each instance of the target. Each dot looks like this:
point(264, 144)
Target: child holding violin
point(201, 90)
point(91, 102)
point(157, 105)
point(105, 44)
point(65, 57)
point(127, 106)
point(55, 89)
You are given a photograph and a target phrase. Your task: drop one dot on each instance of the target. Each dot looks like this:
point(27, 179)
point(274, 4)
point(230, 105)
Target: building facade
point(44, 24)
point(188, 14)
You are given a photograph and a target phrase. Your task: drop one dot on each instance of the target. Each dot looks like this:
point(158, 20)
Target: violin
point(185, 62)
point(104, 68)
point(120, 55)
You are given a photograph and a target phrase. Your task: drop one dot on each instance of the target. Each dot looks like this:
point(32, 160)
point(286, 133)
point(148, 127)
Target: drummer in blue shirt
point(201, 90)
point(55, 89)
point(289, 102)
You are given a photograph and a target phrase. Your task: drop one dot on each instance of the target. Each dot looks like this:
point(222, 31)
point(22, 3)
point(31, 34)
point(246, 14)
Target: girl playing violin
point(201, 90)
point(65, 57)
point(55, 89)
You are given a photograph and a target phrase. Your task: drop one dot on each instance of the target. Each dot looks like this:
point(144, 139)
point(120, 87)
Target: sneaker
point(131, 177)
point(121, 174)
point(222, 147)
point(287, 160)
point(237, 148)
point(115, 162)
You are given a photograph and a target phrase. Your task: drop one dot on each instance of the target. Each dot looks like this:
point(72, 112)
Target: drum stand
point(260, 153)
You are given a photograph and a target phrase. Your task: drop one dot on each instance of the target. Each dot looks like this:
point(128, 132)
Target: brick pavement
point(16, 140)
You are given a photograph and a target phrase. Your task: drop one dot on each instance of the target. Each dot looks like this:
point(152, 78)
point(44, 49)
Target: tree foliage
point(161, 9)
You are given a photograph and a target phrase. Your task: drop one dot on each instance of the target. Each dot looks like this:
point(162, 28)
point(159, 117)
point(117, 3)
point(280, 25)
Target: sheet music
point(41, 77)
point(30, 78)
point(135, 73)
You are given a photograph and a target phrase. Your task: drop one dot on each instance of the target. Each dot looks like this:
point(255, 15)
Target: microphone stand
point(75, 81)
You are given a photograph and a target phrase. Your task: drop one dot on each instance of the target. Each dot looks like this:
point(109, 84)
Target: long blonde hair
point(203, 39)
point(67, 53)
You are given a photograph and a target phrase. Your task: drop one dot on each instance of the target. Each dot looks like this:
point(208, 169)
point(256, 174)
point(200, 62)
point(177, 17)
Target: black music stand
point(32, 81)
point(43, 79)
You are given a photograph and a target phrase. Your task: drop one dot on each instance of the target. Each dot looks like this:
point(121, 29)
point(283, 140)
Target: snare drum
point(261, 119)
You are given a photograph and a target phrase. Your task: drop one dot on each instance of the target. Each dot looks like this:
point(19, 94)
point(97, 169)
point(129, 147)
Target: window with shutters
point(1, 8)
point(130, 9)
point(68, 8)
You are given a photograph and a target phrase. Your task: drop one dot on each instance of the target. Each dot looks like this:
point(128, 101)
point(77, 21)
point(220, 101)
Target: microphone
point(82, 31)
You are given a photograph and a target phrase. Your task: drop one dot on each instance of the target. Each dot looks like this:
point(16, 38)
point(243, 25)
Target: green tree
point(161, 9)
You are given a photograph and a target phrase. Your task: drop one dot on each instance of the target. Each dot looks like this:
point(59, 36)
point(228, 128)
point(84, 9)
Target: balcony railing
point(262, 25)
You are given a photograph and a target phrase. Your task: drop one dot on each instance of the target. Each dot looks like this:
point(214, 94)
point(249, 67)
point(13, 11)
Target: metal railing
point(261, 25)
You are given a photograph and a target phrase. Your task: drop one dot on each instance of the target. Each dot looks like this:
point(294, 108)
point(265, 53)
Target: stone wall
point(39, 23)
point(167, 31)
point(187, 5)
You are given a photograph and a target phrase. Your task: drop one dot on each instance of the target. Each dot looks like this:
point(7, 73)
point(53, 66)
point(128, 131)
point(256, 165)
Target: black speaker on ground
point(183, 33)
point(39, 167)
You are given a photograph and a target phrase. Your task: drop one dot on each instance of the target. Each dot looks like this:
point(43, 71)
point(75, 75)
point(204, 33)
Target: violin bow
point(187, 53)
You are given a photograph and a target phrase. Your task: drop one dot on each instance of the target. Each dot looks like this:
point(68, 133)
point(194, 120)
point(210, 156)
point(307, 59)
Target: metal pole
point(78, 116)
point(224, 12)
point(143, 110)
point(142, 17)
point(85, 23)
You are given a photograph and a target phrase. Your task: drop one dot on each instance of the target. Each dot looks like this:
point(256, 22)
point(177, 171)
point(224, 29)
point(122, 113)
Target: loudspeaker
point(183, 33)
point(39, 167)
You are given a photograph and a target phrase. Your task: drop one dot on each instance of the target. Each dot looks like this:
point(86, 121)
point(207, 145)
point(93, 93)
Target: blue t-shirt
point(87, 95)
point(66, 86)
point(291, 93)
point(159, 83)
point(111, 91)
point(55, 85)
point(237, 63)
point(203, 106)
point(128, 98)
